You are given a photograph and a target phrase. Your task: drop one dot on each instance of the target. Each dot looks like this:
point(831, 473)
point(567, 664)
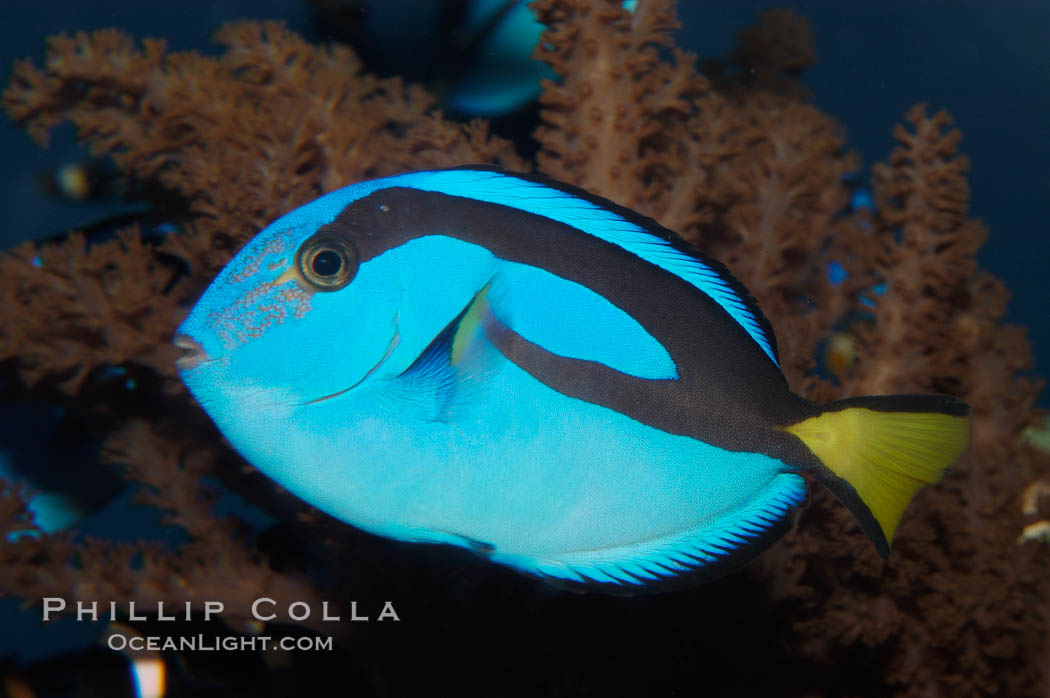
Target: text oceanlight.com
point(210, 643)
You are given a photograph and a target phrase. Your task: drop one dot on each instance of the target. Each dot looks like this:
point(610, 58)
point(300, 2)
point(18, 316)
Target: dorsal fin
point(605, 220)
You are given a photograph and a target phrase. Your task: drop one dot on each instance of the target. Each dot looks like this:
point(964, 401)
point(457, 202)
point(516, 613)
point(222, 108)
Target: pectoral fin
point(444, 379)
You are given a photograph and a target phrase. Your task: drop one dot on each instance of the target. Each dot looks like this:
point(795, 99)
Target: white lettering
point(53, 604)
point(81, 612)
point(306, 611)
point(388, 612)
point(131, 612)
point(212, 607)
point(353, 612)
point(255, 609)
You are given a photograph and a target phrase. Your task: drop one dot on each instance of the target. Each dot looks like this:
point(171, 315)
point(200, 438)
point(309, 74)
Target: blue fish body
point(503, 75)
point(514, 366)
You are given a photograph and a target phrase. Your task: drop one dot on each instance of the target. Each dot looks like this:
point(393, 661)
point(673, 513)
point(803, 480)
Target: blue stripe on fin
point(735, 537)
point(607, 224)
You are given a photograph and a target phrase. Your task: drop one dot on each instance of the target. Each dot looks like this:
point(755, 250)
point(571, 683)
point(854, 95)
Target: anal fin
point(711, 549)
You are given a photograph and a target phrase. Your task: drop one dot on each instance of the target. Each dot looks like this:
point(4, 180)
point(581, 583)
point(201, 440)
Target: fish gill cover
point(738, 163)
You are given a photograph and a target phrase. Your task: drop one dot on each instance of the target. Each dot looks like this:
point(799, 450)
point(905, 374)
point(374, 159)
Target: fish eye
point(327, 263)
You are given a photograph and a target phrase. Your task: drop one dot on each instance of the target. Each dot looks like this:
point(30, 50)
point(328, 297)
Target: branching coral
point(962, 607)
point(70, 308)
point(236, 141)
point(749, 172)
point(754, 177)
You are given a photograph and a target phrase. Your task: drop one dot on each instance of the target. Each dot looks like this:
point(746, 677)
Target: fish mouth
point(394, 341)
point(193, 353)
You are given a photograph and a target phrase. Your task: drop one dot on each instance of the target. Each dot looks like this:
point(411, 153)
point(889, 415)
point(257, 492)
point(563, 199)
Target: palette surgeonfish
point(511, 365)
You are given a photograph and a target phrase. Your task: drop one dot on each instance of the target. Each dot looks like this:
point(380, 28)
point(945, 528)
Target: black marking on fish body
point(479, 546)
point(728, 392)
point(652, 227)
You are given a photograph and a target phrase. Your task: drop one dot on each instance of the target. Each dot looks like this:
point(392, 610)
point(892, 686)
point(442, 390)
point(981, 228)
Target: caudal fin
point(878, 451)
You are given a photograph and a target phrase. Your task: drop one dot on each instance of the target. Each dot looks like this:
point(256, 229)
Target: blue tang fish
point(512, 365)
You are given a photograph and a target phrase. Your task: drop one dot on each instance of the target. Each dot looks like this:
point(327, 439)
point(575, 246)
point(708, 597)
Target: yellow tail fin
point(885, 448)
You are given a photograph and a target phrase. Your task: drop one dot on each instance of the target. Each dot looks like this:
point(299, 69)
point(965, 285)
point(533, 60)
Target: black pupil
point(326, 263)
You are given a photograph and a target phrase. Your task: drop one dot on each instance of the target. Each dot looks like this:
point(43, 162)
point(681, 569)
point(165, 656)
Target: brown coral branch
point(943, 595)
point(614, 96)
point(69, 308)
point(216, 132)
point(756, 180)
